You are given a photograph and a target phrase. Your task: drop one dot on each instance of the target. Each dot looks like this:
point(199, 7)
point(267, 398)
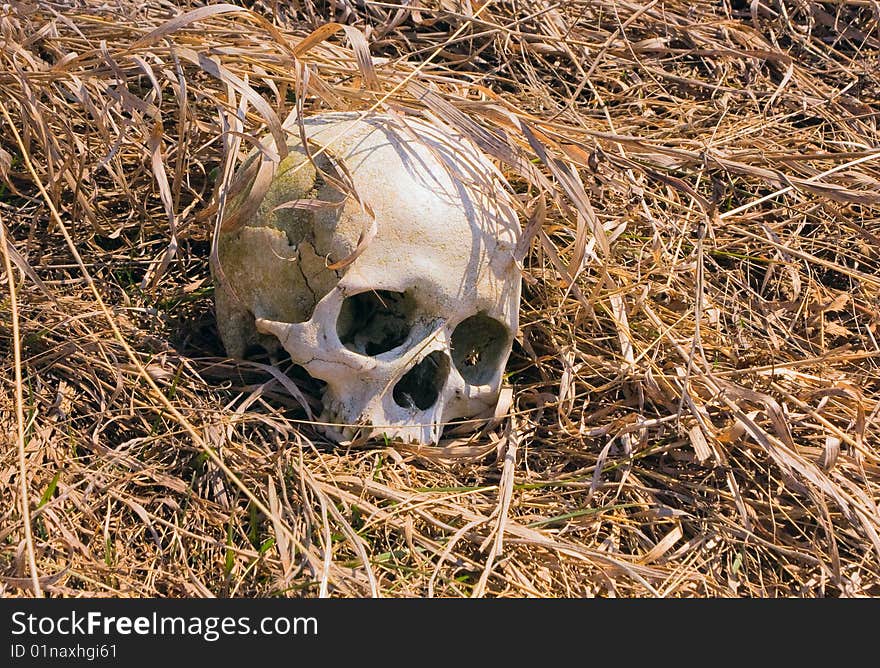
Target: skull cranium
point(416, 330)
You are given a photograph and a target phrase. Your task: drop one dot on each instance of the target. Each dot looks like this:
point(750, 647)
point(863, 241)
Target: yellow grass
point(694, 395)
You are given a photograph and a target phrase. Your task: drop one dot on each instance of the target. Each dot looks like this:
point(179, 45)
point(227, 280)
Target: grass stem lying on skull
point(416, 330)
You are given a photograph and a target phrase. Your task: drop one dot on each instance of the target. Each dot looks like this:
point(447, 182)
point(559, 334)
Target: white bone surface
point(445, 231)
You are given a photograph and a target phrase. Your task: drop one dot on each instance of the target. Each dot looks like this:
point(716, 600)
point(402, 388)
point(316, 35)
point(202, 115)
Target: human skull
point(416, 330)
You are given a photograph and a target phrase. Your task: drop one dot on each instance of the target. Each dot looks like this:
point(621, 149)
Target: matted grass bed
point(692, 406)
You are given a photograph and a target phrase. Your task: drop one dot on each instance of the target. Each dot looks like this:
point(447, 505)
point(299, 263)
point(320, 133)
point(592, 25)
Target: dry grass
point(695, 407)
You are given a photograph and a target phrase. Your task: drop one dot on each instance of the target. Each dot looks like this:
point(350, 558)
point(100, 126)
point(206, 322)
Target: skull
point(416, 330)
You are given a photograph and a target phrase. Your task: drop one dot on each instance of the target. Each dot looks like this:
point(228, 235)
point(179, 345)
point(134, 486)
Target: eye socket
point(374, 322)
point(478, 345)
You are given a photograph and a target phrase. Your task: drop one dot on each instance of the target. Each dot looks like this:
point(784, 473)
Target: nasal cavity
point(421, 385)
point(374, 322)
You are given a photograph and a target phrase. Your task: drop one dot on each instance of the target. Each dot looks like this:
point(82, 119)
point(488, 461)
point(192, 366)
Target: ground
point(692, 406)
